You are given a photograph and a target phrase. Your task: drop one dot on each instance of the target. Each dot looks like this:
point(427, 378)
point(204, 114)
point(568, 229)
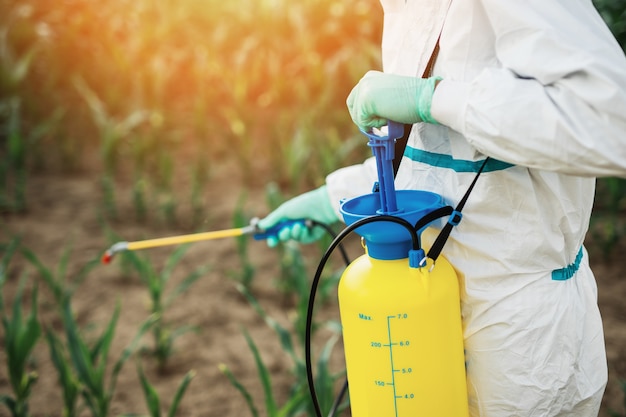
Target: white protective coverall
point(540, 87)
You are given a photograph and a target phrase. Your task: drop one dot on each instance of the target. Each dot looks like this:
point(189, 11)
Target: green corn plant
point(299, 400)
point(14, 69)
point(18, 151)
point(91, 363)
point(20, 337)
point(139, 198)
point(68, 380)
point(13, 166)
point(152, 397)
point(164, 335)
point(112, 132)
point(293, 405)
point(56, 278)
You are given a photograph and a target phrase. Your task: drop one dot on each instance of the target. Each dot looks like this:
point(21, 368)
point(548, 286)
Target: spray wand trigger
point(274, 230)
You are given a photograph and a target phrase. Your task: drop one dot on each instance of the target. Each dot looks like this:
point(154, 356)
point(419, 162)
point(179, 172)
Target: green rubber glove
point(313, 205)
point(379, 97)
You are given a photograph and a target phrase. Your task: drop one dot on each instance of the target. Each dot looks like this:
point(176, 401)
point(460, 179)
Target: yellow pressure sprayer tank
point(400, 313)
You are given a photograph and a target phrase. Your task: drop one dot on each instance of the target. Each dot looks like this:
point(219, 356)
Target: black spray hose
point(331, 232)
point(309, 319)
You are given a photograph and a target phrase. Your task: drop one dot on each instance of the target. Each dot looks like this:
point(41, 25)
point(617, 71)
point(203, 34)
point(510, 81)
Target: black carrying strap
point(455, 218)
point(399, 147)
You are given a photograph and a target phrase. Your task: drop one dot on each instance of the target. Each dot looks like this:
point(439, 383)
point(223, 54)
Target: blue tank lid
point(387, 240)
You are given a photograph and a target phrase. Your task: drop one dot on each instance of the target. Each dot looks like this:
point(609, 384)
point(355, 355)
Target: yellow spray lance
point(252, 229)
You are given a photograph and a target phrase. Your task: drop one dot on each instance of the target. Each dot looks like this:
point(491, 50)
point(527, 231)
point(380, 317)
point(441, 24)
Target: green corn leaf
point(142, 265)
point(96, 105)
point(244, 392)
point(324, 381)
point(62, 267)
point(17, 149)
point(79, 353)
point(130, 349)
point(31, 331)
point(294, 403)
point(179, 331)
point(286, 341)
point(16, 318)
point(68, 382)
point(134, 119)
point(100, 350)
point(21, 67)
point(155, 288)
point(264, 376)
point(46, 274)
point(151, 395)
point(186, 284)
point(8, 403)
point(174, 259)
point(21, 338)
point(28, 382)
point(8, 250)
point(179, 393)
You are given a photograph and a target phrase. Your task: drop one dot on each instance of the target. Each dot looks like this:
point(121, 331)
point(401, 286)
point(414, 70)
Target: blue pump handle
point(383, 150)
point(273, 231)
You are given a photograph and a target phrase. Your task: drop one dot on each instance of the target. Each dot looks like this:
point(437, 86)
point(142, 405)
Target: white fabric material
point(540, 84)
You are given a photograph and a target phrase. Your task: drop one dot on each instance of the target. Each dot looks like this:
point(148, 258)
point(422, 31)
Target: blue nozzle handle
point(273, 231)
point(383, 148)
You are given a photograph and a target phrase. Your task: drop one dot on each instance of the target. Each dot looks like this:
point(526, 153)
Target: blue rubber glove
point(313, 205)
point(379, 97)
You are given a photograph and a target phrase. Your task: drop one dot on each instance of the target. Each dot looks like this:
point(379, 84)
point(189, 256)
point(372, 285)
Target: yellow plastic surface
point(177, 240)
point(403, 339)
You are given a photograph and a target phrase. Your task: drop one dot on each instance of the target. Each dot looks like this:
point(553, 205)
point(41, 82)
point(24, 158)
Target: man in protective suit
point(539, 87)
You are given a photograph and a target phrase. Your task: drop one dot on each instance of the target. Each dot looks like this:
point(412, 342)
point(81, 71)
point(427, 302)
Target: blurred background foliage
point(156, 92)
point(148, 89)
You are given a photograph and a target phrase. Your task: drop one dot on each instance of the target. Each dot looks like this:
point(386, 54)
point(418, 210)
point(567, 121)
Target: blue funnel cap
point(387, 240)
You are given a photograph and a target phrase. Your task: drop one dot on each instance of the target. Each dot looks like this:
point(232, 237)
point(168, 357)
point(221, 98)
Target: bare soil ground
point(64, 212)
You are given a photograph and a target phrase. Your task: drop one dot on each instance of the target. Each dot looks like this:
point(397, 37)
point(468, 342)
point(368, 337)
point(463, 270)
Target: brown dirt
point(64, 212)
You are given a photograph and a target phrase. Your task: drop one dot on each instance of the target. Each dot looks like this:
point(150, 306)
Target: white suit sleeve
point(557, 100)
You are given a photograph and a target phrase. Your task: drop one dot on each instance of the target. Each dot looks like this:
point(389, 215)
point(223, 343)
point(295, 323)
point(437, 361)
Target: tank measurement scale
point(394, 370)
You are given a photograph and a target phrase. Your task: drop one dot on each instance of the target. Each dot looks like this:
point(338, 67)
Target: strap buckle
point(455, 218)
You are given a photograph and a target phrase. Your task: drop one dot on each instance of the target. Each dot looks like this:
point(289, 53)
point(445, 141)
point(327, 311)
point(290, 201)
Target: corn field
point(124, 120)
